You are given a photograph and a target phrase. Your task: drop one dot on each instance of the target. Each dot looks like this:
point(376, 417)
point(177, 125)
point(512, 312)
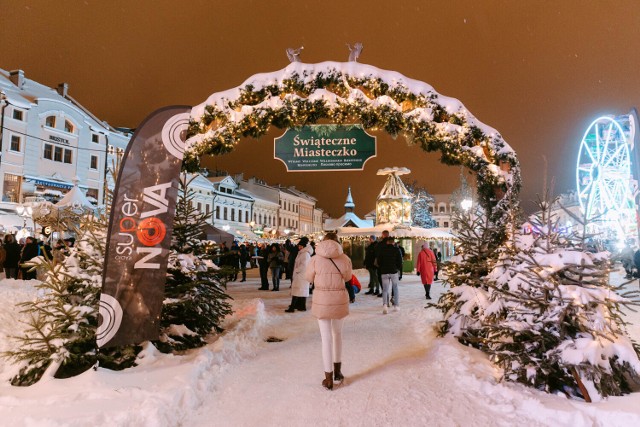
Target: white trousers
point(331, 334)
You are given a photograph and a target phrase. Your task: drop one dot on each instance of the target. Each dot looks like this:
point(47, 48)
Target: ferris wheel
point(603, 172)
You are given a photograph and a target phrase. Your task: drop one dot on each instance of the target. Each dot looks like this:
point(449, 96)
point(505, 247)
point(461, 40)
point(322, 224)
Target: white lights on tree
point(466, 204)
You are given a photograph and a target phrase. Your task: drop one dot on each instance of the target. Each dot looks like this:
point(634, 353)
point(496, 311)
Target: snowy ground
point(398, 373)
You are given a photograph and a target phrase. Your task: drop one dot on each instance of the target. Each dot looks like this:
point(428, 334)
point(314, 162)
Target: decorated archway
point(345, 93)
point(143, 208)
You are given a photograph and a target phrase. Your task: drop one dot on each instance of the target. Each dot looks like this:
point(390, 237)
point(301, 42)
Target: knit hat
point(304, 241)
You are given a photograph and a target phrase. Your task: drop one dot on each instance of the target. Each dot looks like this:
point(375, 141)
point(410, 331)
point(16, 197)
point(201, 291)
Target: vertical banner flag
point(140, 228)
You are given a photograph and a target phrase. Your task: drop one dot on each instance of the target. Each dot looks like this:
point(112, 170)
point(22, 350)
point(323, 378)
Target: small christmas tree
point(60, 334)
point(464, 303)
point(196, 302)
point(420, 213)
point(554, 321)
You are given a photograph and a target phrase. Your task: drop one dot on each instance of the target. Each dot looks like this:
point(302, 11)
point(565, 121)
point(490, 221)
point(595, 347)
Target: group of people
point(630, 261)
point(329, 272)
point(383, 261)
point(15, 255)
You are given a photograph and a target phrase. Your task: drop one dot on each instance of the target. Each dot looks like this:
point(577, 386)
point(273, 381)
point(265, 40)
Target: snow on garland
point(302, 94)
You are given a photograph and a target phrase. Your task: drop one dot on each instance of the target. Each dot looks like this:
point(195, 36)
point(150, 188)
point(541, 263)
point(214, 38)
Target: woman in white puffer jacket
point(328, 271)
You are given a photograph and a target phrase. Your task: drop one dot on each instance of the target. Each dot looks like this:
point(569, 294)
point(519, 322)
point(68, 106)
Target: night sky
point(538, 71)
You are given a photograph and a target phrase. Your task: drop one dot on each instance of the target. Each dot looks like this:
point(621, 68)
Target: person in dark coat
point(29, 252)
point(636, 261)
point(12, 259)
point(263, 263)
point(292, 250)
point(244, 259)
point(370, 265)
point(389, 264)
point(379, 247)
point(275, 259)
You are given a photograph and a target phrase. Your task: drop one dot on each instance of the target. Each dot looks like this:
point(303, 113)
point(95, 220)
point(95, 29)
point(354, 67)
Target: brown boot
point(328, 380)
point(337, 375)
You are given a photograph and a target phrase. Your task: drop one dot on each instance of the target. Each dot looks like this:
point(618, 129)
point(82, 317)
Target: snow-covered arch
point(351, 92)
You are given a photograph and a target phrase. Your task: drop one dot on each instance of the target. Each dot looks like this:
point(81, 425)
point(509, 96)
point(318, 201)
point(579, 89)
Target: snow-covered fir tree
point(195, 299)
point(466, 276)
point(553, 320)
point(420, 213)
point(59, 340)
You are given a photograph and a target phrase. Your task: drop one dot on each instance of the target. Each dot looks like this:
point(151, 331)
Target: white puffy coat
point(330, 298)
point(299, 285)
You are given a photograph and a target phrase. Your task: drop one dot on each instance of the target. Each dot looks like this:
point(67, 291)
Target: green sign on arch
point(325, 148)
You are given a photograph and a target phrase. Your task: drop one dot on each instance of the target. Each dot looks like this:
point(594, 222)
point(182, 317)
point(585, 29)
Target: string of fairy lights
point(342, 98)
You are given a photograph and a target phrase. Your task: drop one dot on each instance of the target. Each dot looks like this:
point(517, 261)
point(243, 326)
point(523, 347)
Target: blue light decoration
point(605, 180)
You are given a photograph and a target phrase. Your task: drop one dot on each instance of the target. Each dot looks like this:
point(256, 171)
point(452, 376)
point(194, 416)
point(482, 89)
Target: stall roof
point(424, 233)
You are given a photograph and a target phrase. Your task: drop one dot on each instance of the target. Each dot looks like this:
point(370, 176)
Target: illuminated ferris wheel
point(603, 173)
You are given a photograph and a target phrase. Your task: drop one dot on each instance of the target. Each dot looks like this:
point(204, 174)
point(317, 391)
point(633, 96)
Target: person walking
point(370, 265)
point(275, 260)
point(12, 248)
point(438, 255)
point(329, 269)
point(299, 286)
point(29, 252)
point(389, 264)
point(263, 264)
point(426, 268)
point(379, 246)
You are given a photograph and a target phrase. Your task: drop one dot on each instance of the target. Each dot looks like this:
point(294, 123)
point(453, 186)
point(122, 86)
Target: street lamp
point(25, 212)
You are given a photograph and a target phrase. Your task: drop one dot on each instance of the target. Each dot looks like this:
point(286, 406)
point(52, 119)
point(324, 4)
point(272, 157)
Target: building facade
point(48, 139)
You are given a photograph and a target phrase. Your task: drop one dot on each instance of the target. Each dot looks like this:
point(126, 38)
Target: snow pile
point(241, 380)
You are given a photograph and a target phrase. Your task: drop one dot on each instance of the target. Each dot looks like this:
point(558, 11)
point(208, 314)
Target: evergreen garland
point(303, 94)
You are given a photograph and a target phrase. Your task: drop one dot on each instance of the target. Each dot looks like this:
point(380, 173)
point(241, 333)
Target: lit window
point(68, 126)
point(94, 162)
point(48, 151)
point(18, 115)
point(11, 188)
point(16, 142)
point(50, 121)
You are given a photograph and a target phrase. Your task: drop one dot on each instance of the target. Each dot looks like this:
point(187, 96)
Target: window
point(94, 162)
point(446, 224)
point(233, 214)
point(199, 207)
point(441, 209)
point(246, 216)
point(50, 121)
point(11, 188)
point(16, 143)
point(95, 138)
point(68, 156)
point(68, 126)
point(48, 151)
point(208, 209)
point(224, 214)
point(18, 115)
point(217, 212)
point(57, 154)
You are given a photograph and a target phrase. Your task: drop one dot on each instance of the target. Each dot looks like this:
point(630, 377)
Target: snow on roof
point(74, 198)
point(334, 224)
point(394, 188)
point(425, 233)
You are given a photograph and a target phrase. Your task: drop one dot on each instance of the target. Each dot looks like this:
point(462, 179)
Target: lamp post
point(25, 212)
